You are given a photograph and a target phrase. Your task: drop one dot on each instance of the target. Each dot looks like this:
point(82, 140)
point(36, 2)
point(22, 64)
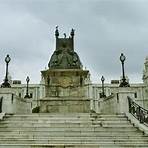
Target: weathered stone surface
point(64, 105)
point(62, 82)
point(71, 130)
point(12, 103)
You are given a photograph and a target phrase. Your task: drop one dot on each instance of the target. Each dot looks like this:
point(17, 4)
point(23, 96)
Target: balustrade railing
point(138, 112)
point(1, 100)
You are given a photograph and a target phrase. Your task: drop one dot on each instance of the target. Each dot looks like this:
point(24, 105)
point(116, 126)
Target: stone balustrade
point(12, 103)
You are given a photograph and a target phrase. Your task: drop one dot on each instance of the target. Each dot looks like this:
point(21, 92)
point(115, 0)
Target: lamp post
point(103, 79)
point(6, 83)
point(27, 94)
point(124, 83)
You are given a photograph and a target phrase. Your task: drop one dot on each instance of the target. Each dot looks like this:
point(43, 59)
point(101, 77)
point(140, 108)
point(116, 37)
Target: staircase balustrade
point(1, 100)
point(138, 112)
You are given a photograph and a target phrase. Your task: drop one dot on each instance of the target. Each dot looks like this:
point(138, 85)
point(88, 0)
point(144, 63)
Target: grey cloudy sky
point(104, 29)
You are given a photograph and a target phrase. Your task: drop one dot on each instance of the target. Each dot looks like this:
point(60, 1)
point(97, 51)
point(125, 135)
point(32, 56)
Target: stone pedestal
point(123, 106)
point(65, 91)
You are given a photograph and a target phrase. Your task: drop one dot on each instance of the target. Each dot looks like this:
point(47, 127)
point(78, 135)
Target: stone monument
point(66, 83)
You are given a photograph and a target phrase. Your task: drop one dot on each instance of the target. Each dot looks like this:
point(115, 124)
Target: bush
point(36, 109)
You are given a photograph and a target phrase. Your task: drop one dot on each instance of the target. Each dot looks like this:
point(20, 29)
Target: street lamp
point(103, 79)
point(27, 94)
point(124, 83)
point(6, 83)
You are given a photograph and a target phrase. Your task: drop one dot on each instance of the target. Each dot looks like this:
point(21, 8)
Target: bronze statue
point(64, 56)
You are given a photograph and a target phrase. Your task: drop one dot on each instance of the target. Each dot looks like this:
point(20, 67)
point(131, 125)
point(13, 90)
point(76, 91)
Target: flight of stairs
point(73, 130)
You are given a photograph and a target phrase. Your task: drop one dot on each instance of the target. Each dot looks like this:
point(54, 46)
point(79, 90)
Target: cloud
point(104, 29)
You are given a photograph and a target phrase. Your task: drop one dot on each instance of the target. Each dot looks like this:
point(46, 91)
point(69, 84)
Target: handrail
point(138, 112)
point(1, 101)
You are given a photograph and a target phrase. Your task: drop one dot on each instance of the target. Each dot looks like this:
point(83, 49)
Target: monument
point(66, 83)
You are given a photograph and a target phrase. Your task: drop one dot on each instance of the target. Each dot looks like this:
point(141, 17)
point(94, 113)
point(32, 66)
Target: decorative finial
point(56, 32)
point(72, 32)
point(64, 35)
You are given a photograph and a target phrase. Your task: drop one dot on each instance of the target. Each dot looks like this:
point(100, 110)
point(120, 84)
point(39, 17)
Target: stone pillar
point(107, 91)
point(7, 96)
point(122, 100)
point(92, 97)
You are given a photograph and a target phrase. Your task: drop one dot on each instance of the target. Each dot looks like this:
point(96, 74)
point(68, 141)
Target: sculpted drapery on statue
point(64, 56)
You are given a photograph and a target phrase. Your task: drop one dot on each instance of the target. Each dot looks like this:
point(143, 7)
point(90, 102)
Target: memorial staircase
point(71, 130)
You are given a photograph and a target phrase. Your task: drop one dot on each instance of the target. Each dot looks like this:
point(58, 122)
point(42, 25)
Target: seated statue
point(65, 59)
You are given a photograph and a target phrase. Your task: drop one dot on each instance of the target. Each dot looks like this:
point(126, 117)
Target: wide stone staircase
point(73, 130)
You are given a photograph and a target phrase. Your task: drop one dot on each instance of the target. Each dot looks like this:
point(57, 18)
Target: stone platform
point(66, 90)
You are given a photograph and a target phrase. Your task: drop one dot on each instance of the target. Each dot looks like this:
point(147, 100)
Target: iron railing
point(138, 112)
point(1, 101)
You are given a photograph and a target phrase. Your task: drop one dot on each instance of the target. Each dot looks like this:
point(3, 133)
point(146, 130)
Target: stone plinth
point(123, 106)
point(65, 91)
point(64, 82)
point(64, 105)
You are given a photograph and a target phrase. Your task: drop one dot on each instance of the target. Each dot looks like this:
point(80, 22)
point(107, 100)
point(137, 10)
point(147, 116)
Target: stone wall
point(109, 105)
point(115, 103)
point(139, 91)
point(12, 103)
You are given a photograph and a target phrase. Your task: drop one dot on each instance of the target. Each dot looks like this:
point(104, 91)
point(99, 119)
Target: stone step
point(59, 121)
point(85, 115)
point(31, 136)
point(72, 146)
point(68, 130)
point(8, 137)
point(49, 118)
point(80, 138)
point(12, 117)
point(68, 115)
point(33, 141)
point(66, 119)
point(67, 122)
point(52, 125)
point(59, 141)
point(64, 125)
point(42, 129)
point(68, 133)
point(116, 125)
